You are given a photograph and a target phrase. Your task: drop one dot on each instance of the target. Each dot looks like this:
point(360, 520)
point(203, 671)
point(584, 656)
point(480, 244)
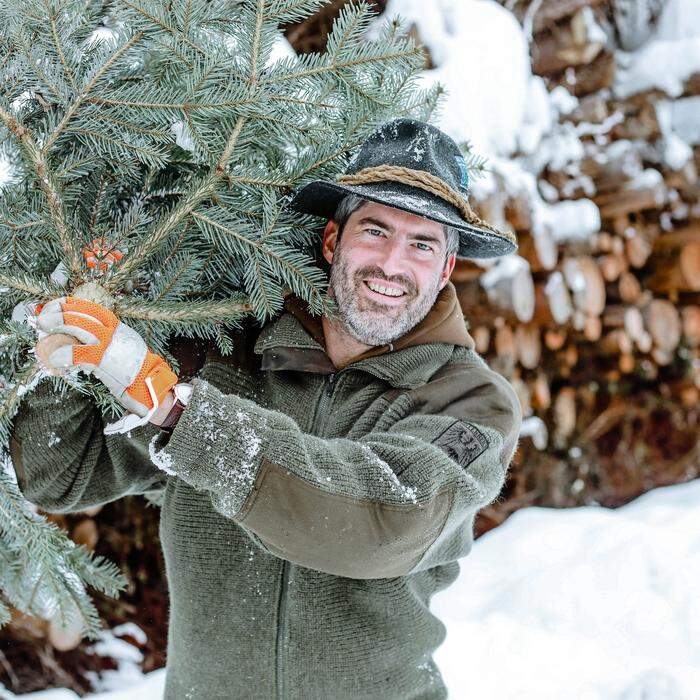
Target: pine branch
point(59, 50)
point(176, 34)
point(230, 145)
point(185, 312)
point(73, 108)
point(149, 244)
point(11, 399)
point(34, 288)
point(48, 186)
point(255, 53)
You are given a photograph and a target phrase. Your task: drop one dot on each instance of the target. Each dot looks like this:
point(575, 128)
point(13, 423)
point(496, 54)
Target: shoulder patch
point(462, 442)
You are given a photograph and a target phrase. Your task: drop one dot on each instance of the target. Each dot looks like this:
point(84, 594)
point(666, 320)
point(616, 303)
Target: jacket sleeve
point(388, 503)
point(63, 461)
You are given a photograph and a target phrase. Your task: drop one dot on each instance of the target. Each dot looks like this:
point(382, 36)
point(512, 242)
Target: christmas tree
point(153, 148)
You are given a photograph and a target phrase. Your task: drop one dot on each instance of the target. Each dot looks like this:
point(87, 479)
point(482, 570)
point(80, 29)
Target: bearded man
point(320, 484)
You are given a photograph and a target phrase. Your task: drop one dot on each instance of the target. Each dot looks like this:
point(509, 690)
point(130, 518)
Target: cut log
point(557, 300)
point(68, 637)
point(602, 242)
point(555, 339)
point(613, 168)
point(662, 357)
point(574, 45)
point(529, 346)
point(663, 322)
point(612, 266)
point(616, 342)
point(519, 213)
point(677, 238)
point(564, 411)
point(592, 328)
point(585, 280)
point(509, 285)
point(626, 363)
point(644, 342)
point(677, 272)
point(629, 201)
point(482, 339)
point(690, 320)
point(540, 392)
point(506, 350)
point(551, 11)
point(634, 323)
point(637, 249)
point(629, 288)
point(540, 250)
point(85, 533)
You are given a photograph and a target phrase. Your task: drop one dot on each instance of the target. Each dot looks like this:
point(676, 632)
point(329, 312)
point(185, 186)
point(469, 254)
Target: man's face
point(386, 271)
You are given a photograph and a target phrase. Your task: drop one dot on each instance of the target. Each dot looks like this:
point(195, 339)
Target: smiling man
point(321, 484)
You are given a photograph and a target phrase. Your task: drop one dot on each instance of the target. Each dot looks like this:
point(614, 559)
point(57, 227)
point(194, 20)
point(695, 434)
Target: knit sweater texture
point(309, 512)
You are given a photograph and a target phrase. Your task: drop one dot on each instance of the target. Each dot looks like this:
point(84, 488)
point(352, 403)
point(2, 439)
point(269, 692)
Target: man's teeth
point(385, 290)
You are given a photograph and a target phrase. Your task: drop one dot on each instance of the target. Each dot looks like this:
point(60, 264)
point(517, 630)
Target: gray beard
point(371, 322)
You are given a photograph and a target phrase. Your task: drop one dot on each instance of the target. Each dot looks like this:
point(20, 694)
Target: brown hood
point(444, 323)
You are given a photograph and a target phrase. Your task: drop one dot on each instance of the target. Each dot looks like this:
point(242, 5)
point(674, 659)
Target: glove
point(115, 353)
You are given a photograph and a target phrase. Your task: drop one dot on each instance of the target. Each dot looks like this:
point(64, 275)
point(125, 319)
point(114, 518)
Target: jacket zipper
point(282, 607)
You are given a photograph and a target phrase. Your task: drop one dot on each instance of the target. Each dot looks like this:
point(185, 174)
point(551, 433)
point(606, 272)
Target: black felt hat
point(415, 167)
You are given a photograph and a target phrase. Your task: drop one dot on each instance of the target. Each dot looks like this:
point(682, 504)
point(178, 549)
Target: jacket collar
point(295, 341)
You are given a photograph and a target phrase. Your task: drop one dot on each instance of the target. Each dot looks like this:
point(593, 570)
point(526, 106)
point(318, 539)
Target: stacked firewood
point(576, 324)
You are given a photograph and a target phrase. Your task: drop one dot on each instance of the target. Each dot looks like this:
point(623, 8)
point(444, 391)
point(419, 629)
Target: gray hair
point(351, 203)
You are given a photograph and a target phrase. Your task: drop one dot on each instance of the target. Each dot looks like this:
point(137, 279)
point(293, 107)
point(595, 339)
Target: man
point(321, 485)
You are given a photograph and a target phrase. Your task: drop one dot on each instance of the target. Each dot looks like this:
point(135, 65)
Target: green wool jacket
point(309, 512)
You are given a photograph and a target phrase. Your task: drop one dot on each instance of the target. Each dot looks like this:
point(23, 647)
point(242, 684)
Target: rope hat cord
point(425, 181)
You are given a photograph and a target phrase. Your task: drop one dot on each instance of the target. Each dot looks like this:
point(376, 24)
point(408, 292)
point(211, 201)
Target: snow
point(680, 127)
point(536, 428)
point(160, 459)
point(507, 267)
point(467, 40)
point(669, 59)
point(562, 101)
point(589, 602)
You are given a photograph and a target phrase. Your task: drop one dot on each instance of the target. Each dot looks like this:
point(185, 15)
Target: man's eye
point(425, 247)
point(372, 231)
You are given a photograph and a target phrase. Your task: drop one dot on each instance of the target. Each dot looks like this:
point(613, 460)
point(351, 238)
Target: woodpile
point(574, 324)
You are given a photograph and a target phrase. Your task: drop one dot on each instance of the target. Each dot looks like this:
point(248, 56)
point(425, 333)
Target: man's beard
point(369, 321)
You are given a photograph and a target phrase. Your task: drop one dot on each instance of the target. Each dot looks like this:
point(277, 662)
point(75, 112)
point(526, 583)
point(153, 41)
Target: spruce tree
point(153, 147)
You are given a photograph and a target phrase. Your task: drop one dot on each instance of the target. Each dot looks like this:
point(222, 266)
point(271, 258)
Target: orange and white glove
point(112, 351)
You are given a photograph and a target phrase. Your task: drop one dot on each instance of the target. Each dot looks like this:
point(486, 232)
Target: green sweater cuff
point(216, 446)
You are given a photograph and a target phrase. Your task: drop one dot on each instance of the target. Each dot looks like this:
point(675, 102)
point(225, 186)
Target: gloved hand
point(112, 351)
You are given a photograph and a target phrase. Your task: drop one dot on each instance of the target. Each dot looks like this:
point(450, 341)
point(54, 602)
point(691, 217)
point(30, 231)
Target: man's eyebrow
point(376, 222)
point(425, 237)
point(415, 236)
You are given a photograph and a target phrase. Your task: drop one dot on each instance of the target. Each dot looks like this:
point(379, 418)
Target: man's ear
point(330, 238)
point(447, 271)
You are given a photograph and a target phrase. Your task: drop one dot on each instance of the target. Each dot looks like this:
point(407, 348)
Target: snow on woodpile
point(669, 58)
point(481, 57)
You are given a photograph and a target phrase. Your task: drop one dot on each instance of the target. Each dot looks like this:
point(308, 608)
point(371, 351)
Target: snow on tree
point(153, 149)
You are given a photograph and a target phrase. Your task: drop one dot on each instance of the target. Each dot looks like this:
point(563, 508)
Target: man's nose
point(392, 257)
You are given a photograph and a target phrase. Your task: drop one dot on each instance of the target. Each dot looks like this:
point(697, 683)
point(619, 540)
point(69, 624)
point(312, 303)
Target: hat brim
point(476, 240)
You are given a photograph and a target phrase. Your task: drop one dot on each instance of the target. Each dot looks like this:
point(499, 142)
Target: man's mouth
point(385, 290)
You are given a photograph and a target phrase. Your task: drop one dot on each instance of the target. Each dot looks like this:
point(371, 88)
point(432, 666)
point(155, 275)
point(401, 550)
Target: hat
point(415, 167)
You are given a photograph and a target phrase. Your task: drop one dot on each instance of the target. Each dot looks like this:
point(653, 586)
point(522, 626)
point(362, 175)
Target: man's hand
point(112, 351)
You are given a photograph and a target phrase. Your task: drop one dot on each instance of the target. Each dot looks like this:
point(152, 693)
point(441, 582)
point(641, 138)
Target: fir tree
point(153, 148)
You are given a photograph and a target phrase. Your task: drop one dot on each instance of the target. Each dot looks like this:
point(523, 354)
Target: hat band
point(415, 178)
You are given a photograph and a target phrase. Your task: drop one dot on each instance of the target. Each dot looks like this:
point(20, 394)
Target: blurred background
point(588, 112)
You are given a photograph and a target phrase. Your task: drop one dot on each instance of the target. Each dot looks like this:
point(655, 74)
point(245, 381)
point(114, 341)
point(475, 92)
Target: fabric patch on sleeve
point(462, 442)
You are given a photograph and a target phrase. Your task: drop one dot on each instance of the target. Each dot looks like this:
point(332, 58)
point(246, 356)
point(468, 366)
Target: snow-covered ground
point(581, 603)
